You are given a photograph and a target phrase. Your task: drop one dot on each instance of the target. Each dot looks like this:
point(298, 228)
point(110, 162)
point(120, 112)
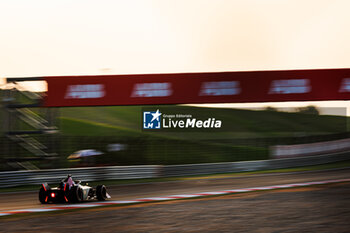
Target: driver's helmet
point(70, 181)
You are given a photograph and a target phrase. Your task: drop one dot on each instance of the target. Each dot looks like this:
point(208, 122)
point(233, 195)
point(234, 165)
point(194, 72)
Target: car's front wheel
point(76, 194)
point(101, 192)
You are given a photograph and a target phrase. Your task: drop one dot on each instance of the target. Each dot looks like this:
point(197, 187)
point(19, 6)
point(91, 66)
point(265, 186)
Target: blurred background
point(42, 138)
point(261, 144)
point(41, 38)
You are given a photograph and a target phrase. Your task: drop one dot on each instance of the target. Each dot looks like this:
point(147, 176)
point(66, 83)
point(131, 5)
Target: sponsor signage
point(151, 90)
point(345, 86)
point(220, 87)
point(290, 86)
point(85, 91)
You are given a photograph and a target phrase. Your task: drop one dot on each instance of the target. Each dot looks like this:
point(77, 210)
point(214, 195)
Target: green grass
point(97, 127)
point(123, 124)
point(78, 127)
point(241, 123)
point(126, 121)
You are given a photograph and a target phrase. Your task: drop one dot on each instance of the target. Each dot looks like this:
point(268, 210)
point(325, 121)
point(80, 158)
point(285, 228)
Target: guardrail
point(199, 169)
point(16, 178)
point(300, 150)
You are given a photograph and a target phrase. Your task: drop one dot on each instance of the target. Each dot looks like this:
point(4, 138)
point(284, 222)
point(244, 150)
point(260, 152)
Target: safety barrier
point(300, 150)
point(17, 178)
point(199, 169)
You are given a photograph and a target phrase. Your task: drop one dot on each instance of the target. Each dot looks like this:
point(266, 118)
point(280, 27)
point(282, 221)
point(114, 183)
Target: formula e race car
point(72, 192)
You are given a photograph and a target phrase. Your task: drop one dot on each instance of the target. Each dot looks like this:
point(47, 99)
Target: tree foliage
point(309, 110)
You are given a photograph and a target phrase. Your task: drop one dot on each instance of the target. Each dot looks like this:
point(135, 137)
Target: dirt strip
point(313, 209)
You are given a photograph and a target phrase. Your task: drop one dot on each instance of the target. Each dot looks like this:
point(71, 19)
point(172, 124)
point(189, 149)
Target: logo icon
point(151, 120)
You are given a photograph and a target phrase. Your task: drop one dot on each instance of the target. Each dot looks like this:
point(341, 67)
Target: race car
point(72, 192)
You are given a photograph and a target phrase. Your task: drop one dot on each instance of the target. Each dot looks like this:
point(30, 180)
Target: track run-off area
point(312, 201)
point(26, 202)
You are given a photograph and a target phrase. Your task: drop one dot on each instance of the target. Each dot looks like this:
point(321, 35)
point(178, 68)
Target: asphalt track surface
point(24, 200)
point(322, 208)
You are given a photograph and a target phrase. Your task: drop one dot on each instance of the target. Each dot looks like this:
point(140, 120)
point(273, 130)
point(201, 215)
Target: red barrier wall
point(221, 87)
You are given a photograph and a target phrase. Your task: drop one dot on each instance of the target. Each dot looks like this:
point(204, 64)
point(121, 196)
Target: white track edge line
point(170, 197)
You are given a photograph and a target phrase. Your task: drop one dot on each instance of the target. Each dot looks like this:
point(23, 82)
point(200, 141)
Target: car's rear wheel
point(101, 192)
point(44, 193)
